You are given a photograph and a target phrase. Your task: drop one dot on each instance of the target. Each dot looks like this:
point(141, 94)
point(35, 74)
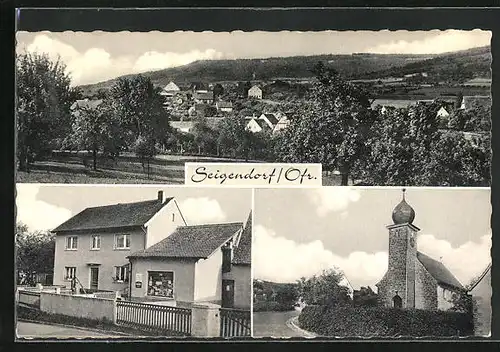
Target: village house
point(442, 112)
point(170, 89)
point(413, 279)
point(256, 125)
point(283, 123)
point(270, 119)
point(203, 97)
point(255, 92)
point(470, 102)
point(93, 245)
point(202, 263)
point(182, 126)
point(480, 290)
point(84, 104)
point(199, 87)
point(224, 106)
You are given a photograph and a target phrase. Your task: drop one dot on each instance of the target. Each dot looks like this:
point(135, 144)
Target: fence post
point(115, 311)
point(58, 290)
point(205, 320)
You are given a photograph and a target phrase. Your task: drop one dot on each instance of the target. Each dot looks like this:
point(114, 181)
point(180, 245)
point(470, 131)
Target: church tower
point(397, 288)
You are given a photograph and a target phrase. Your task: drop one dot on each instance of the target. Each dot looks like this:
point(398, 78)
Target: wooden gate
point(234, 322)
point(154, 317)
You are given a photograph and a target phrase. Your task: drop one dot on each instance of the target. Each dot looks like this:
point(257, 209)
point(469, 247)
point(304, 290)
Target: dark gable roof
point(272, 118)
point(113, 216)
point(86, 104)
point(204, 95)
point(191, 241)
point(439, 272)
point(243, 253)
point(263, 124)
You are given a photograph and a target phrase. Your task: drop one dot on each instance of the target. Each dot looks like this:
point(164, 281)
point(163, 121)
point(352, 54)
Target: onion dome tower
point(403, 213)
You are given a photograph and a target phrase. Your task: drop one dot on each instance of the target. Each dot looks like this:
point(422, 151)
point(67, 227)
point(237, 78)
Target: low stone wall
point(29, 298)
point(78, 306)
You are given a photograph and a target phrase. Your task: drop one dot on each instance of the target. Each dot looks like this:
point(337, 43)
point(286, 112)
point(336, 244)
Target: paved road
point(35, 330)
point(274, 324)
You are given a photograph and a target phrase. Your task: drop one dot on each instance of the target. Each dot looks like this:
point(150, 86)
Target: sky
point(44, 207)
point(97, 56)
point(300, 232)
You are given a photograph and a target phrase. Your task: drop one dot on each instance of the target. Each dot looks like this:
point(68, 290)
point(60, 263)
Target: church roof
point(475, 282)
point(439, 272)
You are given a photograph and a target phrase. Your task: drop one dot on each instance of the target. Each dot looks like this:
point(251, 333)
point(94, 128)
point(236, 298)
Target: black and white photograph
point(118, 261)
point(372, 262)
point(375, 108)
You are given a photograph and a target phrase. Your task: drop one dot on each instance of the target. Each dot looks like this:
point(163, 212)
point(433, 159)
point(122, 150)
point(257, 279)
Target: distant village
point(188, 102)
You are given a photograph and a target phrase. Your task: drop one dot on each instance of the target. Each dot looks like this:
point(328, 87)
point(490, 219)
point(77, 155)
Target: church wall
point(425, 289)
point(411, 258)
point(444, 297)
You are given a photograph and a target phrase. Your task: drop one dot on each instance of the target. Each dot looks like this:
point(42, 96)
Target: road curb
point(76, 327)
point(293, 324)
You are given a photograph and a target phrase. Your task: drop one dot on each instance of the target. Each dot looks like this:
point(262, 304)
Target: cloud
point(96, 64)
point(153, 60)
point(202, 211)
point(333, 199)
point(37, 214)
point(465, 261)
point(446, 41)
point(279, 259)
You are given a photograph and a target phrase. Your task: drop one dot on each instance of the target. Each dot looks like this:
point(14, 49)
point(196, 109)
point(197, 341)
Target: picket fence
point(154, 317)
point(234, 322)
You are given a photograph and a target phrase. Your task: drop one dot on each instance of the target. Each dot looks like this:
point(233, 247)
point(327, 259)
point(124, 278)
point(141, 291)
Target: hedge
point(384, 322)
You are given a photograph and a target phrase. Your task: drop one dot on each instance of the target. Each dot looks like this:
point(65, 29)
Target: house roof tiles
point(113, 216)
point(243, 253)
point(191, 241)
point(438, 271)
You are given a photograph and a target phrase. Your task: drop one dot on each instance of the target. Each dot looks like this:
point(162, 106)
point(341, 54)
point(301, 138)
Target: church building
point(413, 279)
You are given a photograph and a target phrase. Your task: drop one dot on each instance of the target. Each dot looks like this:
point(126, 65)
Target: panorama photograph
point(373, 107)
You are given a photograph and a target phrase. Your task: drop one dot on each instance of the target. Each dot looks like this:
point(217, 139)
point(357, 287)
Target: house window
point(71, 243)
point(122, 241)
point(69, 273)
point(96, 242)
point(161, 283)
point(121, 273)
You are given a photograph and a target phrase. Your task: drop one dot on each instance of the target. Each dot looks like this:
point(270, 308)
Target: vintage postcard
point(372, 262)
point(373, 108)
point(125, 262)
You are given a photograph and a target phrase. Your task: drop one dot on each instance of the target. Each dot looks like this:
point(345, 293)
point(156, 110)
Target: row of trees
point(334, 125)
point(34, 253)
point(130, 116)
point(337, 127)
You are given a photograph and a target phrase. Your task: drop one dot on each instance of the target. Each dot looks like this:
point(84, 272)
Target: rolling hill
point(356, 66)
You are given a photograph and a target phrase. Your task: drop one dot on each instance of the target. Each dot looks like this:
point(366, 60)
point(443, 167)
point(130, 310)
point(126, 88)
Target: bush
point(390, 322)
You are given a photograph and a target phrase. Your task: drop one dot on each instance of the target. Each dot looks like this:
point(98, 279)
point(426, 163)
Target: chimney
point(160, 196)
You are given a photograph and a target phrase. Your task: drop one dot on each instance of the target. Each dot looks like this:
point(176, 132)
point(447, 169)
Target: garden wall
point(378, 321)
point(78, 306)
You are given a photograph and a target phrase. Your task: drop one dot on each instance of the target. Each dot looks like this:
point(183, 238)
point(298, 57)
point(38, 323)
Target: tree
point(218, 91)
point(234, 140)
point(286, 295)
point(324, 289)
point(461, 302)
point(34, 251)
point(205, 137)
point(400, 146)
point(96, 129)
point(331, 126)
point(44, 97)
point(145, 149)
point(139, 106)
point(365, 297)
